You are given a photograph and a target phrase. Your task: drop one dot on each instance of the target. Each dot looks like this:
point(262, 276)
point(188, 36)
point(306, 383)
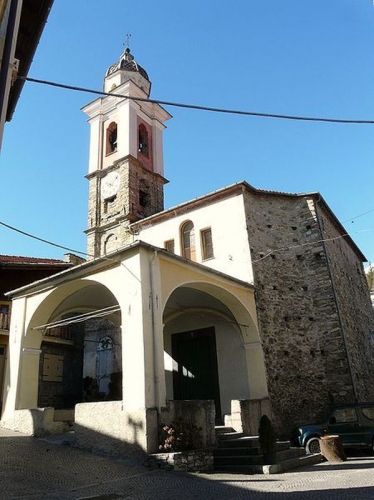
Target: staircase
point(238, 453)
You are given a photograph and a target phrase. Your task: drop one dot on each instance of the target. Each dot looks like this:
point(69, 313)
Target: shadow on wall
point(104, 427)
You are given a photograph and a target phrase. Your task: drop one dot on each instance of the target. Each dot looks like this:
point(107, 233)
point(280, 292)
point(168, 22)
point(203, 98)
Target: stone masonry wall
point(186, 461)
point(140, 195)
point(356, 312)
point(299, 326)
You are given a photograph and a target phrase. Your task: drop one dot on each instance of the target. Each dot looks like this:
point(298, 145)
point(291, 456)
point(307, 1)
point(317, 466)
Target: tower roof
point(127, 63)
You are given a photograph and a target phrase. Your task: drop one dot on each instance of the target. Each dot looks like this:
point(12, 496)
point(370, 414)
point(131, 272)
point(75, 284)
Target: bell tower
point(126, 172)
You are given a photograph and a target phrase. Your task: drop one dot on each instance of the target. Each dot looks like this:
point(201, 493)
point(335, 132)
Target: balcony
point(60, 332)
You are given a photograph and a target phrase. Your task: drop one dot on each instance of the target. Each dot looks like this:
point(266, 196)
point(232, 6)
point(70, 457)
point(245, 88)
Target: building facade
point(239, 295)
point(21, 26)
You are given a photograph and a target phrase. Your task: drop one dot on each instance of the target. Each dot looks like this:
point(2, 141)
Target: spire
point(127, 68)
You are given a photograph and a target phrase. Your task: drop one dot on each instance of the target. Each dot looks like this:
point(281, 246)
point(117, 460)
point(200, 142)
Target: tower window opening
point(143, 140)
point(107, 203)
point(111, 138)
point(188, 240)
point(143, 198)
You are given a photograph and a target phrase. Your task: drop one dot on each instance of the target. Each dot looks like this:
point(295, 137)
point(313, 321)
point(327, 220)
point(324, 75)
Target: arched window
point(143, 146)
point(111, 138)
point(188, 240)
point(110, 244)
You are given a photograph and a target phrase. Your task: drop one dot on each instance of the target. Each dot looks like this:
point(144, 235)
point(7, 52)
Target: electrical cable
point(357, 216)
point(42, 239)
point(80, 318)
point(345, 235)
point(197, 107)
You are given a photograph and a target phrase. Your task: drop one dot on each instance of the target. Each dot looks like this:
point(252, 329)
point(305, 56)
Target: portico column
point(14, 362)
point(142, 338)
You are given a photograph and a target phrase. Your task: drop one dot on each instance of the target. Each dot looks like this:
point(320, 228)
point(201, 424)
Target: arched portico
point(155, 296)
point(56, 353)
point(212, 346)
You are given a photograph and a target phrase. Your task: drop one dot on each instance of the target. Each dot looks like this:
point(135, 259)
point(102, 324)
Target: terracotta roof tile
point(16, 259)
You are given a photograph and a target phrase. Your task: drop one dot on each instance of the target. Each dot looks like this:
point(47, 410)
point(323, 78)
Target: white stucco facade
point(141, 280)
point(227, 221)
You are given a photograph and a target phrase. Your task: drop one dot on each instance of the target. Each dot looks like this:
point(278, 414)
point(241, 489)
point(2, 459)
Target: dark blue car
point(354, 423)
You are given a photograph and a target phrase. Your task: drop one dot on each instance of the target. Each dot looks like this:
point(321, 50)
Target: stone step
point(291, 463)
point(221, 429)
point(245, 441)
point(249, 441)
point(224, 436)
point(238, 453)
point(283, 450)
point(277, 468)
point(282, 445)
point(290, 453)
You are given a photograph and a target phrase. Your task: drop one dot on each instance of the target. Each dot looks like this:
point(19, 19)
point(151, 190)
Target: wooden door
point(197, 374)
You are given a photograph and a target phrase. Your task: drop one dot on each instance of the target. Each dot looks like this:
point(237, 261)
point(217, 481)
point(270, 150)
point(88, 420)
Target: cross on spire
point(127, 41)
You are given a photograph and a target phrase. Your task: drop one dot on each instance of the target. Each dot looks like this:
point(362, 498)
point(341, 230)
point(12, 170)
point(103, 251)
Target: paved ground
point(35, 469)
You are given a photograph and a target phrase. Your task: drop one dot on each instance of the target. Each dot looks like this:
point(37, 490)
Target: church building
point(239, 303)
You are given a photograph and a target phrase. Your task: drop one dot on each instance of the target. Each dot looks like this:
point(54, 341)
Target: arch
point(111, 138)
point(187, 233)
point(110, 244)
point(66, 369)
point(143, 140)
point(224, 324)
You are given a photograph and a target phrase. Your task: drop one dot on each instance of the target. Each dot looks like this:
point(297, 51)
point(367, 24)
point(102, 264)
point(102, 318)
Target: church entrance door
point(197, 373)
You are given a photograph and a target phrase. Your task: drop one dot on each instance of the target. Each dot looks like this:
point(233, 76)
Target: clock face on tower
point(110, 185)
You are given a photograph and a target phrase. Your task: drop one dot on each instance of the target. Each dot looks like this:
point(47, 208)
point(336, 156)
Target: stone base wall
point(35, 422)
point(107, 428)
point(200, 413)
point(187, 461)
point(246, 414)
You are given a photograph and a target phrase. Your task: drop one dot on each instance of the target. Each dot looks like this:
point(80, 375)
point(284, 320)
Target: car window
point(368, 412)
point(345, 415)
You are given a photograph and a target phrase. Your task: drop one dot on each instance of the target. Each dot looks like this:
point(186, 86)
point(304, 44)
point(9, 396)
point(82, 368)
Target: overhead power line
point(357, 216)
point(281, 249)
point(41, 239)
point(197, 107)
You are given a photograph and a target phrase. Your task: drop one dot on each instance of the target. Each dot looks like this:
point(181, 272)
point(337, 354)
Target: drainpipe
point(153, 304)
point(7, 59)
point(336, 301)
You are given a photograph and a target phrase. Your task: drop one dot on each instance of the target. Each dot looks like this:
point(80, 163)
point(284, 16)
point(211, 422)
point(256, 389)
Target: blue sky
point(293, 57)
